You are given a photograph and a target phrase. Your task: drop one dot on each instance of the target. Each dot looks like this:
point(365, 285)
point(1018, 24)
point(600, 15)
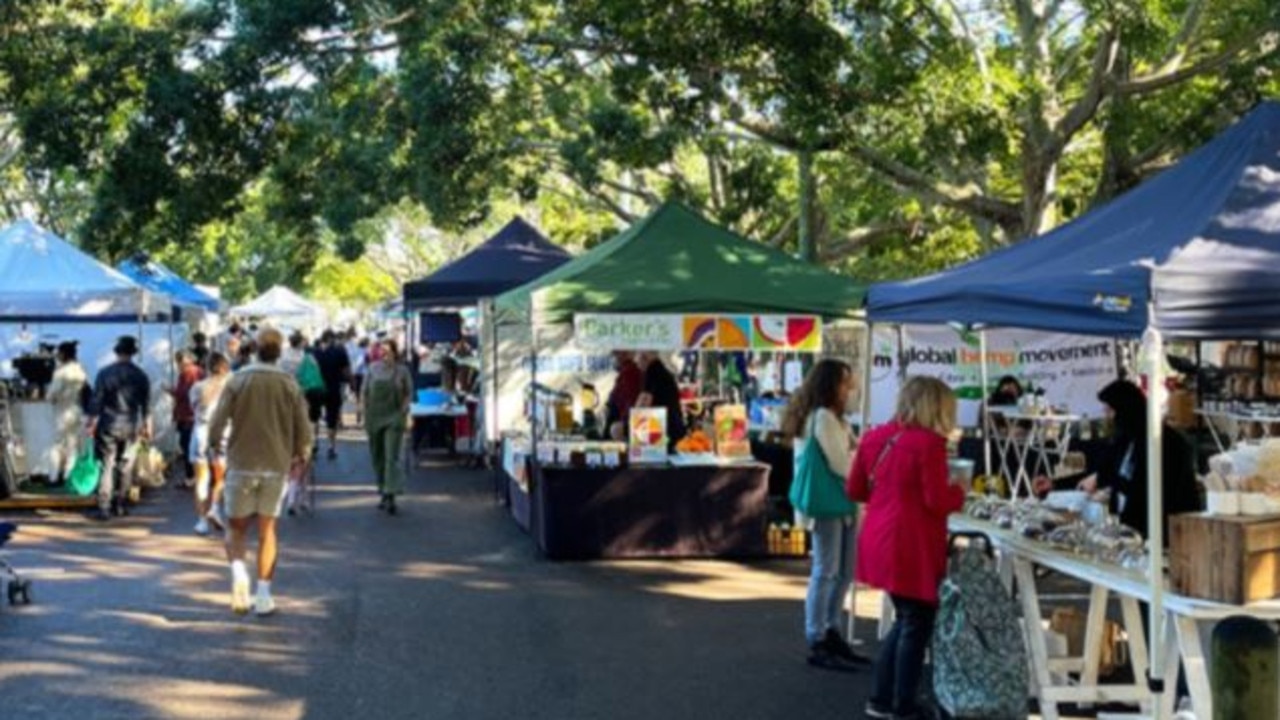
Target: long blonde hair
point(928, 403)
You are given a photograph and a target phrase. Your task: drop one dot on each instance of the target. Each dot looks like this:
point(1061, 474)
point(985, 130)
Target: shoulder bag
point(816, 491)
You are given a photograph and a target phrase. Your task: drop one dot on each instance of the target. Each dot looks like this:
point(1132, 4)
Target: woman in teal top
point(387, 391)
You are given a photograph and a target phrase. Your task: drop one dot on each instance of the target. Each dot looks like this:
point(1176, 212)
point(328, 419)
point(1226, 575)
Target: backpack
point(979, 653)
point(309, 376)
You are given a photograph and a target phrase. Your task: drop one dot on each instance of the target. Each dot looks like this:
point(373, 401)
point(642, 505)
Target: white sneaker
point(202, 527)
point(263, 604)
point(240, 595)
point(216, 517)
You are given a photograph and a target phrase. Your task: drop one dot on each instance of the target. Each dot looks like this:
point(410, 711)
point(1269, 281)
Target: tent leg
point(984, 378)
point(868, 363)
point(1154, 343)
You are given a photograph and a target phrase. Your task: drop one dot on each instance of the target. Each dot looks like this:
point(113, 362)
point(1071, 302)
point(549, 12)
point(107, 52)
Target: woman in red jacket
point(900, 473)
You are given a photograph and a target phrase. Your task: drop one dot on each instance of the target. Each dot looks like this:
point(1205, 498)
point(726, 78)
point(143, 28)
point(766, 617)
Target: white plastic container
point(1224, 503)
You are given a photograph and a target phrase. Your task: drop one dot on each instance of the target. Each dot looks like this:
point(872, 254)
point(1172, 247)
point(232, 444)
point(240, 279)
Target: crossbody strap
point(871, 477)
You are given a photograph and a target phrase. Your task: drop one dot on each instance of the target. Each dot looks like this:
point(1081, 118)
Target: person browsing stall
point(816, 414)
point(184, 415)
point(68, 393)
point(659, 389)
point(122, 403)
point(627, 387)
point(1122, 473)
point(900, 472)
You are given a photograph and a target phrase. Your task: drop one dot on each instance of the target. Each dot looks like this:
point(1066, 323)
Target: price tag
point(594, 459)
point(611, 459)
point(546, 455)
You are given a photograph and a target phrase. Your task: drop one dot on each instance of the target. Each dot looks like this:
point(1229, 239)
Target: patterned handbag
point(979, 653)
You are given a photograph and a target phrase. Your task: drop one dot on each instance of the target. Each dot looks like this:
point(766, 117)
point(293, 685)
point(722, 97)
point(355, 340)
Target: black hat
point(127, 345)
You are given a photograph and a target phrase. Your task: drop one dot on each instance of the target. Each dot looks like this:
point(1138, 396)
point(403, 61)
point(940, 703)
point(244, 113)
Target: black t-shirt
point(335, 367)
point(661, 384)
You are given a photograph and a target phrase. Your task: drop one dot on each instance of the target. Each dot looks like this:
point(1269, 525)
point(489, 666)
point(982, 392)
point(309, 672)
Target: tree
point(936, 128)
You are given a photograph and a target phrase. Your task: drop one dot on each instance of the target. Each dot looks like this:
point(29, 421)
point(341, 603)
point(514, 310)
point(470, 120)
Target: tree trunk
point(1039, 153)
point(808, 249)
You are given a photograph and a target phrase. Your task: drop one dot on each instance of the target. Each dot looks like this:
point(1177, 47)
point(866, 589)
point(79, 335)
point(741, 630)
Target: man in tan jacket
point(269, 436)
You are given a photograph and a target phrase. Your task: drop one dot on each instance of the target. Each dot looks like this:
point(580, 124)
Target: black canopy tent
point(517, 254)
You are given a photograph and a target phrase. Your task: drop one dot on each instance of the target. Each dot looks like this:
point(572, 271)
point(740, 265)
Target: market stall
point(1192, 253)
point(282, 305)
point(515, 255)
point(51, 291)
point(673, 283)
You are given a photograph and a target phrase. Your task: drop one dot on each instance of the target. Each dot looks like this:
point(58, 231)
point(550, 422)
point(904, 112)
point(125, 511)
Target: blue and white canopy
point(46, 278)
point(162, 281)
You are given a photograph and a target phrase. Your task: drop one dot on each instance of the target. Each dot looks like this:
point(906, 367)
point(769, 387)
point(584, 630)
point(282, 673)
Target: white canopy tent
point(279, 302)
point(43, 277)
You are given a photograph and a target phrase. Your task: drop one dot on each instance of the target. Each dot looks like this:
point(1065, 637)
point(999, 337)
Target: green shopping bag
point(83, 478)
point(815, 490)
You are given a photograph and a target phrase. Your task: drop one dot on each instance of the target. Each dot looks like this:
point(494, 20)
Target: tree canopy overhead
point(930, 128)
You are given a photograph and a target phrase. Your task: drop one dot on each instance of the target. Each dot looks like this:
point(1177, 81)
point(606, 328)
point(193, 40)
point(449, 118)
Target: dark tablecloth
point(633, 512)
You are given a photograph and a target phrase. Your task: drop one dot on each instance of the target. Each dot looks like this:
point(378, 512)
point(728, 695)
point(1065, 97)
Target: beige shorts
point(253, 493)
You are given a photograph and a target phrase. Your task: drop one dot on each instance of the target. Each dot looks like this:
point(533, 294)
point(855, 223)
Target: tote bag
point(816, 491)
point(83, 477)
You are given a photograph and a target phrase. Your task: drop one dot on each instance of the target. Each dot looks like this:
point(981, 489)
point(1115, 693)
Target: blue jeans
point(830, 578)
point(899, 668)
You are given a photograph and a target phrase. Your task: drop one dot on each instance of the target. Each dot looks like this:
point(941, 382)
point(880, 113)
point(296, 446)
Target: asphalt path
point(444, 611)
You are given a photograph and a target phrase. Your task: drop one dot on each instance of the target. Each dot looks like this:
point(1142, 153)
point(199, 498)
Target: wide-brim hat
point(126, 345)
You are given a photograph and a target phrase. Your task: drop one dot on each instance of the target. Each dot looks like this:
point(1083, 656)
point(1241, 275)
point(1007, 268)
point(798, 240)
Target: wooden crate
point(1228, 559)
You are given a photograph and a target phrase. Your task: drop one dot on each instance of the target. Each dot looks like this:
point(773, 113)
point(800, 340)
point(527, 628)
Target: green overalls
point(384, 420)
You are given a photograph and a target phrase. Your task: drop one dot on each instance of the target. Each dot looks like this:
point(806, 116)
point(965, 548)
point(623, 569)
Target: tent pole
point(868, 366)
point(868, 363)
point(1154, 342)
point(902, 357)
point(986, 384)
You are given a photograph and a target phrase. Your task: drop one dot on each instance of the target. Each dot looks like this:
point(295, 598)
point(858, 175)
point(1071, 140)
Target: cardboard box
point(1233, 560)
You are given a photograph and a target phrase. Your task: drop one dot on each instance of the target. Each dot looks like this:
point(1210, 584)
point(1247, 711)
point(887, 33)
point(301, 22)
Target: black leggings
point(184, 444)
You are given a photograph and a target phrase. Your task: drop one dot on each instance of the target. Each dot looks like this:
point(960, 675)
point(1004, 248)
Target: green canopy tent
point(676, 261)
point(672, 263)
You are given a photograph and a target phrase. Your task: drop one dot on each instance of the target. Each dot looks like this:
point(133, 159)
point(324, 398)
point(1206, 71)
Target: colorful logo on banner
point(699, 332)
point(778, 332)
point(782, 333)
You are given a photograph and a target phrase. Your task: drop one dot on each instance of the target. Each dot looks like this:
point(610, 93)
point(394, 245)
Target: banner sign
point(1070, 368)
point(769, 333)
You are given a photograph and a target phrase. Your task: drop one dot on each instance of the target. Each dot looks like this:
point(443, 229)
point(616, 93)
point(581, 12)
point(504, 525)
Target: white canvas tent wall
point(50, 289)
point(43, 277)
point(279, 302)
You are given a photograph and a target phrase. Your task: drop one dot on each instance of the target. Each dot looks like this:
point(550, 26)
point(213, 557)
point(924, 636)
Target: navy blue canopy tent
point(162, 281)
point(517, 254)
point(1194, 252)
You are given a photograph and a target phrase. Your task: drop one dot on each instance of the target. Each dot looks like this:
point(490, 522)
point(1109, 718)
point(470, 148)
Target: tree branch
point(1104, 61)
point(361, 32)
point(863, 237)
point(1182, 41)
point(966, 33)
point(780, 238)
point(784, 140)
point(1264, 43)
point(969, 198)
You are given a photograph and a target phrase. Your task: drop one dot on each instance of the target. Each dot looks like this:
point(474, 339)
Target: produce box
point(1233, 560)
